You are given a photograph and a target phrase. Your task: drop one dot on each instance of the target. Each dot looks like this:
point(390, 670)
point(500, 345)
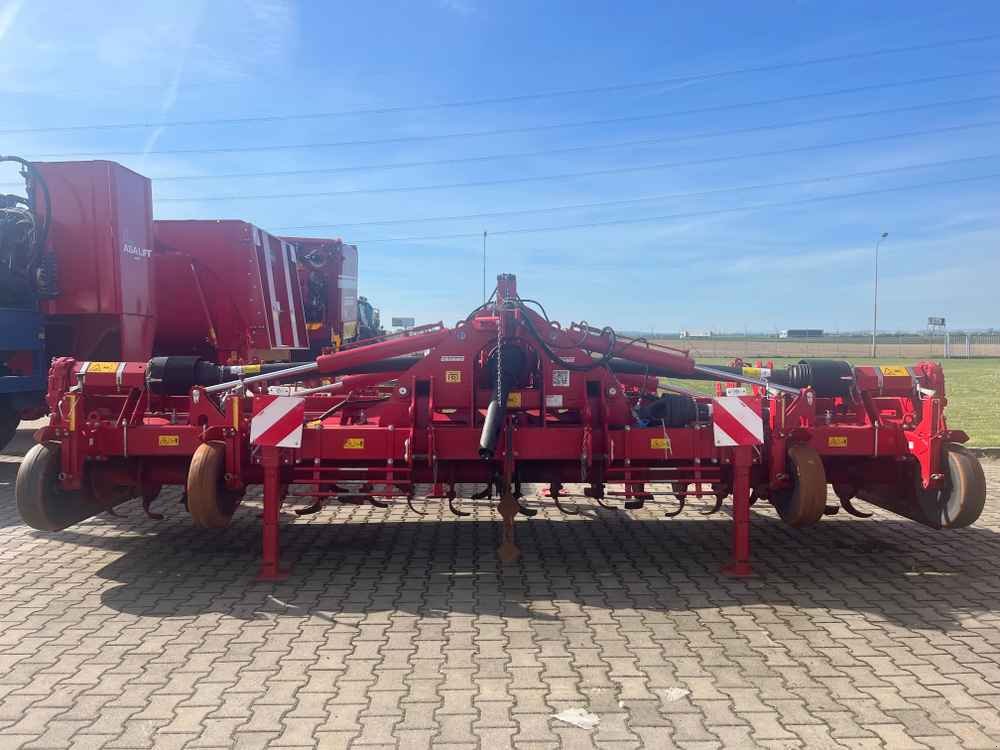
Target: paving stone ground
point(401, 631)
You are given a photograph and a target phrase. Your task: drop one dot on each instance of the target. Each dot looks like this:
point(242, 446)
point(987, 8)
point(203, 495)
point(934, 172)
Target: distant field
point(973, 387)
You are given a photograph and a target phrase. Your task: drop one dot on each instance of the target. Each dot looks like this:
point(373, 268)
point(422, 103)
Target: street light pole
point(875, 300)
point(484, 266)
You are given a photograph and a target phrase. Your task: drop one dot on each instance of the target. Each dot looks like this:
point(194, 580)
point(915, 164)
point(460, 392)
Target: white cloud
point(8, 14)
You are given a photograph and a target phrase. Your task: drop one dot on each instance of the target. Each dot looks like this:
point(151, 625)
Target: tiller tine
point(411, 506)
point(316, 507)
point(148, 496)
point(851, 508)
point(555, 492)
point(484, 494)
point(524, 510)
point(681, 499)
point(715, 508)
point(451, 504)
point(372, 500)
point(831, 510)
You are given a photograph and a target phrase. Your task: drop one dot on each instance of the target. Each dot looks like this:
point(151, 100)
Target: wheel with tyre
point(962, 499)
point(803, 503)
point(42, 503)
point(211, 505)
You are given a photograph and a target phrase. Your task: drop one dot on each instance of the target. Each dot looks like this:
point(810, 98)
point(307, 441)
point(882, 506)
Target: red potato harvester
point(504, 397)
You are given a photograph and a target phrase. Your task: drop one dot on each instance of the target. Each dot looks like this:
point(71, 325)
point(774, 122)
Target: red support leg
point(273, 493)
point(739, 566)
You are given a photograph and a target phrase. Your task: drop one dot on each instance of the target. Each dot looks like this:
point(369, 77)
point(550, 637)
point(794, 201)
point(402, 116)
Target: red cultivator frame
point(503, 398)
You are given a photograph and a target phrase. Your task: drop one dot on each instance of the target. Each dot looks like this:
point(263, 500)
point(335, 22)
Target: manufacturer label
point(514, 399)
point(660, 443)
point(279, 390)
point(354, 444)
point(560, 378)
point(103, 368)
point(836, 441)
point(737, 392)
point(555, 401)
point(168, 441)
point(135, 251)
point(453, 376)
point(895, 372)
point(452, 357)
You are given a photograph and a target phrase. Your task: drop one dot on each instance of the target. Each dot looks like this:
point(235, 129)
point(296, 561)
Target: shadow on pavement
point(887, 568)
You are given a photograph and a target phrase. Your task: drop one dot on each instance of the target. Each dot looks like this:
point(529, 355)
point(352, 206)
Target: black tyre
point(41, 502)
point(961, 501)
point(803, 503)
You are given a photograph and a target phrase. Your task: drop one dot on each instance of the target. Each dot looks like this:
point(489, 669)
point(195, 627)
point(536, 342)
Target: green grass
point(973, 390)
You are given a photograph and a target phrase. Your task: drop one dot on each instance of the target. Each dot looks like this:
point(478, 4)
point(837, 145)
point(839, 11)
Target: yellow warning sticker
point(251, 369)
point(316, 424)
point(514, 399)
point(168, 441)
point(354, 444)
point(453, 376)
point(660, 443)
point(836, 441)
point(894, 372)
point(103, 367)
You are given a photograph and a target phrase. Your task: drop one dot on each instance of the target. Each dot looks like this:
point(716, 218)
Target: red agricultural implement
point(503, 398)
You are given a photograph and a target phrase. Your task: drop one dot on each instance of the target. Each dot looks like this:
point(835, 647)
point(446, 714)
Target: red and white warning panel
point(737, 420)
point(278, 422)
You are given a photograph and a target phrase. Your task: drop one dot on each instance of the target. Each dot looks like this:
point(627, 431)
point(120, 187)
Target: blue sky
point(693, 256)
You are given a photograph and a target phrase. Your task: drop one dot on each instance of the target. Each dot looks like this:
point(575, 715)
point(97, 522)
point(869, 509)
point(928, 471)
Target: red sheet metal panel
point(228, 291)
point(102, 239)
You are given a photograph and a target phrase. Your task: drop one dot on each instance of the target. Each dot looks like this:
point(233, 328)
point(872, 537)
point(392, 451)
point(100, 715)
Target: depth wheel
point(210, 503)
point(41, 502)
point(960, 502)
point(803, 503)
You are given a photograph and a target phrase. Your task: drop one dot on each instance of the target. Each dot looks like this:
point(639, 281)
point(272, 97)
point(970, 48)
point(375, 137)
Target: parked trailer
point(85, 272)
point(504, 397)
point(228, 292)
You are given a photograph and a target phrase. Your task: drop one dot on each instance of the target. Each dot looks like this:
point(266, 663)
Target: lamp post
point(875, 300)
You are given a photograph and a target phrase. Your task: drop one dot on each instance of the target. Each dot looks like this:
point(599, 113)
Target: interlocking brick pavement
point(400, 631)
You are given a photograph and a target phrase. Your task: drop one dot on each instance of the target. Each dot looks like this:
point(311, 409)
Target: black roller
point(828, 377)
point(673, 410)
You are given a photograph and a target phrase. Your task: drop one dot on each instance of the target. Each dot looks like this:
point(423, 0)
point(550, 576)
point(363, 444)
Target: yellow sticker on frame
point(514, 399)
point(836, 441)
point(103, 368)
point(354, 443)
point(168, 441)
point(453, 376)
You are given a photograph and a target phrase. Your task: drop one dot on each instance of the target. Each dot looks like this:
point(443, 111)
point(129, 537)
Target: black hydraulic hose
point(43, 233)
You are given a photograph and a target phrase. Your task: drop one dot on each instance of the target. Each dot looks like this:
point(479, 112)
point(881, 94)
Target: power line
point(506, 99)
point(651, 198)
point(552, 177)
point(568, 149)
point(688, 214)
point(414, 138)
